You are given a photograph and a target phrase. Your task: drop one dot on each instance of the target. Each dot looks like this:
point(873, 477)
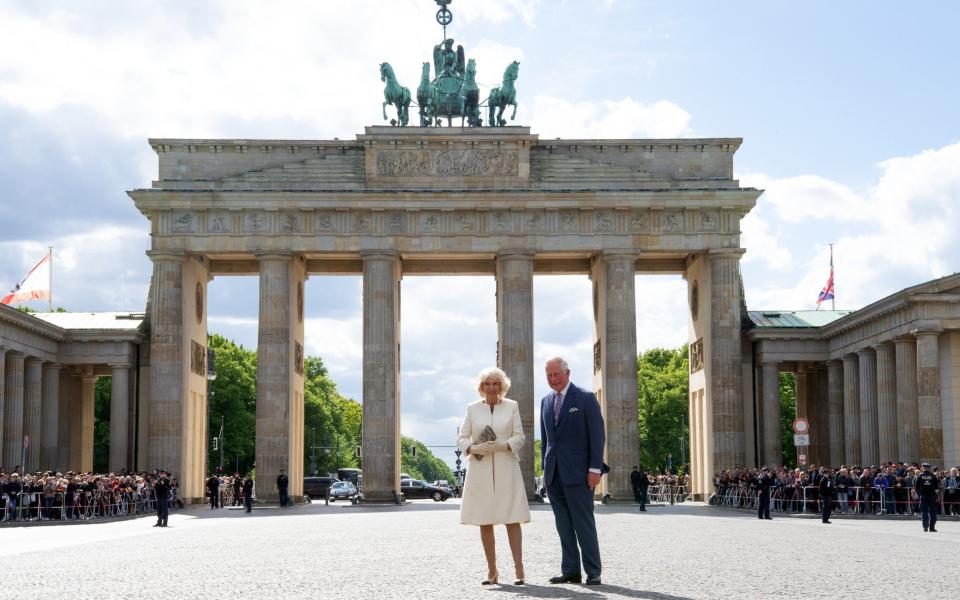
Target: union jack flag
point(827, 292)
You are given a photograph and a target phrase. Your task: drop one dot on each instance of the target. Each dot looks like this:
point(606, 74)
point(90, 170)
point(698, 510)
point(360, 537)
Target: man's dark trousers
point(928, 512)
point(643, 498)
point(573, 511)
point(284, 498)
point(826, 508)
point(163, 512)
point(763, 506)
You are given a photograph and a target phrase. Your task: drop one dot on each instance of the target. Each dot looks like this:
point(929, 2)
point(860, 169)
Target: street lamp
point(212, 375)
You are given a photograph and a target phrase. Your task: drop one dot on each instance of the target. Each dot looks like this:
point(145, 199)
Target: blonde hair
point(497, 374)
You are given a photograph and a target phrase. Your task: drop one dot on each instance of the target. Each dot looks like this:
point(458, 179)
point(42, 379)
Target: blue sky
point(847, 111)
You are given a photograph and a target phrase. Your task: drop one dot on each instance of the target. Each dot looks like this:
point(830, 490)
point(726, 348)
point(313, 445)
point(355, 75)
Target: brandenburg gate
point(407, 201)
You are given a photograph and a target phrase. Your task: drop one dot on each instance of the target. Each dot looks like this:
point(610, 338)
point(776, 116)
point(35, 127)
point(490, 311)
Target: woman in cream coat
point(493, 493)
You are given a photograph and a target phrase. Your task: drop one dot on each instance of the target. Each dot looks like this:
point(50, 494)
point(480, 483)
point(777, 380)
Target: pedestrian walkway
point(420, 551)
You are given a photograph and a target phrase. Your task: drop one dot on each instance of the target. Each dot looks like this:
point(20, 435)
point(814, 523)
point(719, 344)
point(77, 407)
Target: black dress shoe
point(933, 530)
point(572, 578)
point(593, 580)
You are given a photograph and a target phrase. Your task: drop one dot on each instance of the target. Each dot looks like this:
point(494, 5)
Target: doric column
point(851, 410)
point(822, 420)
point(119, 417)
point(908, 425)
point(725, 358)
point(770, 388)
point(615, 365)
point(50, 418)
point(167, 362)
point(33, 369)
point(13, 411)
point(869, 450)
point(65, 403)
point(381, 381)
point(928, 397)
point(87, 405)
point(886, 402)
point(3, 394)
point(515, 349)
point(280, 375)
point(835, 411)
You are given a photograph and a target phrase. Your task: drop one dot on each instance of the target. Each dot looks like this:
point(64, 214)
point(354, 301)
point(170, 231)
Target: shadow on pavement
point(583, 592)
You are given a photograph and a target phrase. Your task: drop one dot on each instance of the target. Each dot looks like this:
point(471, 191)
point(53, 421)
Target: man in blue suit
point(572, 438)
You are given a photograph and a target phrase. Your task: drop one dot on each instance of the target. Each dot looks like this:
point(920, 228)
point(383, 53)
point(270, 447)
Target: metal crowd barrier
point(856, 500)
point(666, 493)
point(98, 504)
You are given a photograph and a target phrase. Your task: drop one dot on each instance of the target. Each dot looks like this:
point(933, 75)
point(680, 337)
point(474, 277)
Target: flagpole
point(833, 273)
point(50, 297)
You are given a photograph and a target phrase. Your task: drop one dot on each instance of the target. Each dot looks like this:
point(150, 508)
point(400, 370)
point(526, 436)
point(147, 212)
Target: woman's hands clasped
point(486, 448)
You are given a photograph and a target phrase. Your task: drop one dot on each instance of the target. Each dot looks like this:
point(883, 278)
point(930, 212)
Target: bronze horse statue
point(394, 94)
point(501, 97)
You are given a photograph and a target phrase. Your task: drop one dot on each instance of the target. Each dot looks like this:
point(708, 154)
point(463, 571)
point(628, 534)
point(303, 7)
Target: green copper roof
point(794, 318)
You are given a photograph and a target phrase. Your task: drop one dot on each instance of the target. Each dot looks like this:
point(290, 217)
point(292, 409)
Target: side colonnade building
point(878, 384)
point(49, 364)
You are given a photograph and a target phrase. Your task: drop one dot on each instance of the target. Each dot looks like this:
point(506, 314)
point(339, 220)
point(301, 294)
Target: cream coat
point(493, 493)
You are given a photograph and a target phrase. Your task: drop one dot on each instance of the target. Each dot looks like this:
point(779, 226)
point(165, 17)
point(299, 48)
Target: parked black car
point(317, 487)
point(413, 489)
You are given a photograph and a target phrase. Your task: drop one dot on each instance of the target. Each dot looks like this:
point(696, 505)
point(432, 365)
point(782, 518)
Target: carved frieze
point(290, 223)
point(325, 223)
point(396, 222)
point(184, 222)
point(218, 223)
point(298, 358)
point(198, 359)
point(569, 221)
point(361, 222)
point(447, 163)
point(640, 221)
point(430, 223)
point(709, 221)
point(604, 222)
point(255, 223)
point(672, 222)
point(696, 356)
point(500, 221)
point(465, 223)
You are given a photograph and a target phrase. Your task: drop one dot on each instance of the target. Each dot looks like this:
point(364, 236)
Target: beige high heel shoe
point(519, 580)
point(492, 580)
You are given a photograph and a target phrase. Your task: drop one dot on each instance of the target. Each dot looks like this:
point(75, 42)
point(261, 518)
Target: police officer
point(213, 488)
point(764, 483)
point(927, 485)
point(283, 484)
point(161, 490)
point(828, 490)
point(643, 483)
point(635, 484)
point(248, 493)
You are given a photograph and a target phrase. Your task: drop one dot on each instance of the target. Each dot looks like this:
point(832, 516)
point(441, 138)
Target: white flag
point(35, 286)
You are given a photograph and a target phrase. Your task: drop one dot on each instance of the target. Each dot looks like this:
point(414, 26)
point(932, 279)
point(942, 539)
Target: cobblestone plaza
point(420, 551)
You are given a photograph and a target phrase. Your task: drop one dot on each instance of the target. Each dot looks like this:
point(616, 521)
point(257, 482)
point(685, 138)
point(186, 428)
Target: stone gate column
point(66, 419)
point(772, 438)
point(869, 449)
point(823, 413)
point(515, 351)
point(119, 417)
point(381, 380)
point(928, 397)
point(76, 423)
point(851, 410)
point(33, 369)
point(13, 410)
point(50, 417)
point(165, 410)
point(835, 410)
point(615, 366)
point(886, 402)
point(725, 358)
point(279, 443)
point(908, 426)
point(87, 407)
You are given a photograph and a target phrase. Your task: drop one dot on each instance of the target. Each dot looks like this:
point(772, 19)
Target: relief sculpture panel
point(447, 163)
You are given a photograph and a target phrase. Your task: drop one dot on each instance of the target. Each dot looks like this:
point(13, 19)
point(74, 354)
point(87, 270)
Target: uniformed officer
point(635, 484)
point(213, 489)
point(927, 485)
point(248, 493)
point(643, 484)
point(161, 489)
point(764, 483)
point(283, 484)
point(828, 490)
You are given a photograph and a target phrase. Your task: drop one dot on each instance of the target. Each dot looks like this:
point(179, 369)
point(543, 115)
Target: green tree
point(425, 465)
point(537, 461)
point(788, 412)
point(233, 395)
point(331, 422)
point(662, 407)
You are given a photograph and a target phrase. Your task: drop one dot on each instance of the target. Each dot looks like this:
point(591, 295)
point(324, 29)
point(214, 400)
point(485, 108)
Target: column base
point(380, 498)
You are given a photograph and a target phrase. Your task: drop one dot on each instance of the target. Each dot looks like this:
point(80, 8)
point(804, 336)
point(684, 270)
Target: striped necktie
point(557, 401)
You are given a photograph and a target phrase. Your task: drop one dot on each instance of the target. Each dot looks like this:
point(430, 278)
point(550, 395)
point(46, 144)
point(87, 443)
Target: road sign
point(801, 439)
point(802, 459)
point(801, 425)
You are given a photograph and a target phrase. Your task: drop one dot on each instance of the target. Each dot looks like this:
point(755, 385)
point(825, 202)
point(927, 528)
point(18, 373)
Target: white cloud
point(626, 118)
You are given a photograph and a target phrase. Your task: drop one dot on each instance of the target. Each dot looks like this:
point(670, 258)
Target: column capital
point(736, 253)
point(515, 254)
point(32, 360)
point(835, 362)
point(49, 365)
point(611, 255)
point(366, 255)
point(904, 339)
point(262, 256)
point(865, 351)
point(884, 344)
point(928, 330)
point(123, 365)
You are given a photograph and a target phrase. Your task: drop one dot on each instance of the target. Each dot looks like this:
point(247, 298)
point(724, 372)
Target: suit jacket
point(574, 445)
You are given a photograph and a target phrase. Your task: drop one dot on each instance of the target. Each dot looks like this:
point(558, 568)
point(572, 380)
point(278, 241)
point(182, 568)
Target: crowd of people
point(888, 489)
point(666, 487)
point(54, 496)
